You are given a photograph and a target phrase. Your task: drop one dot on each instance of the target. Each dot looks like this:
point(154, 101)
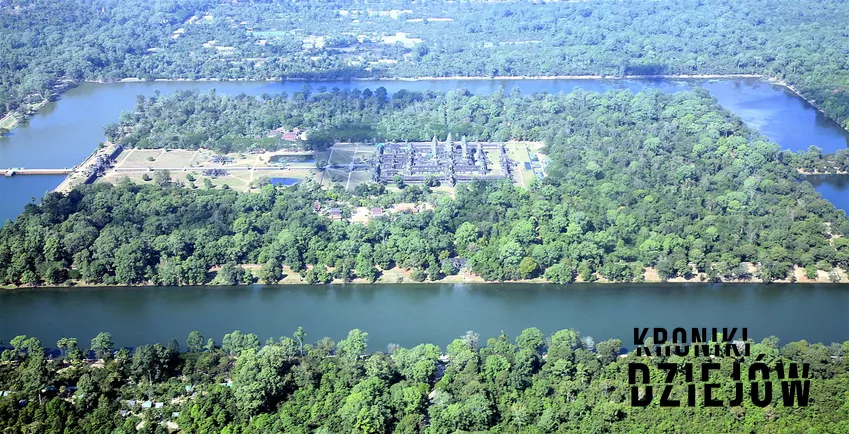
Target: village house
point(335, 214)
point(290, 136)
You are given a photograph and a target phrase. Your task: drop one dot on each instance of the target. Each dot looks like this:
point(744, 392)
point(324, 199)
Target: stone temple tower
point(479, 154)
point(465, 145)
point(433, 145)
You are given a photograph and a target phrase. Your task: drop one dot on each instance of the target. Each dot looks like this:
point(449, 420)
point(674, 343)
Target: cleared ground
point(339, 159)
point(521, 152)
point(247, 168)
point(242, 172)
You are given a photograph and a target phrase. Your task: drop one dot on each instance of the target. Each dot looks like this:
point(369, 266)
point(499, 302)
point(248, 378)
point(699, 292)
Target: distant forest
point(636, 180)
point(47, 42)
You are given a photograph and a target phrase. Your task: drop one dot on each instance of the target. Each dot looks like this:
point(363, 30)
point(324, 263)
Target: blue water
point(835, 188)
point(284, 181)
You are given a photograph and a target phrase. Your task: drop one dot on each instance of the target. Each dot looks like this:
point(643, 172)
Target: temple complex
point(447, 161)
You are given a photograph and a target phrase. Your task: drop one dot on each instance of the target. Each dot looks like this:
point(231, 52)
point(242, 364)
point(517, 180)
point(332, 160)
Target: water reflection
point(834, 188)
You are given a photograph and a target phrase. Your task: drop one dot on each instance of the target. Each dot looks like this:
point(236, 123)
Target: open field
point(339, 161)
point(520, 153)
point(244, 169)
point(241, 172)
point(9, 122)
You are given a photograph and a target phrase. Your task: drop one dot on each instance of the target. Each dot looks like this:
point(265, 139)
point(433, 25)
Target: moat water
point(65, 132)
point(410, 314)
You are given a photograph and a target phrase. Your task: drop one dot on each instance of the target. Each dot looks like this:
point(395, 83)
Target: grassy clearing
point(518, 152)
point(9, 122)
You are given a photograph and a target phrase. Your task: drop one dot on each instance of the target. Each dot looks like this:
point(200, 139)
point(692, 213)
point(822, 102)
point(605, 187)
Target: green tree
point(195, 341)
point(102, 345)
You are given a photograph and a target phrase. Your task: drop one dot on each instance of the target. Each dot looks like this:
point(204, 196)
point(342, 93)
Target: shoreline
point(434, 78)
point(816, 173)
point(16, 121)
point(811, 102)
point(359, 282)
point(395, 276)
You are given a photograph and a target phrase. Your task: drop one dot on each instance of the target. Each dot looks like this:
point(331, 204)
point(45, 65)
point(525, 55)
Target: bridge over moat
point(24, 171)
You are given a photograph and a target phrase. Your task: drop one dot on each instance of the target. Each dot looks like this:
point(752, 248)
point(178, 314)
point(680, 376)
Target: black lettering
point(636, 400)
point(738, 395)
point(640, 342)
point(706, 368)
point(789, 389)
point(756, 399)
point(640, 337)
point(709, 401)
point(699, 337)
point(731, 348)
point(665, 400)
point(659, 336)
point(671, 369)
point(679, 336)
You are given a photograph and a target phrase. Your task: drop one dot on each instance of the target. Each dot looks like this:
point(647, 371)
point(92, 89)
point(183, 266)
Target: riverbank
point(10, 121)
point(396, 276)
point(808, 100)
point(81, 172)
point(817, 172)
point(448, 78)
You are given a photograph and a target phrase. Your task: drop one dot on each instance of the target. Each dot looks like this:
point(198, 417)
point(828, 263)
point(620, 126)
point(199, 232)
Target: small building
point(123, 413)
point(175, 414)
point(220, 159)
point(147, 404)
point(335, 214)
point(291, 136)
point(159, 405)
point(458, 263)
point(131, 403)
point(377, 212)
point(214, 173)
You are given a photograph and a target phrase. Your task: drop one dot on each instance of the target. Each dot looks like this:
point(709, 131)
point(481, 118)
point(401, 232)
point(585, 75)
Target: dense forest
point(49, 43)
point(561, 383)
point(669, 181)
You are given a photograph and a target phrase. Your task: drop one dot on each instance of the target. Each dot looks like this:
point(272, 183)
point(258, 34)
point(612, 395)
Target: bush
point(418, 275)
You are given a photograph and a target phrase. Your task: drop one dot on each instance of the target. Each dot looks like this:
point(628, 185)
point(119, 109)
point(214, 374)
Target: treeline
point(668, 181)
point(562, 383)
point(48, 41)
point(814, 161)
point(191, 120)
